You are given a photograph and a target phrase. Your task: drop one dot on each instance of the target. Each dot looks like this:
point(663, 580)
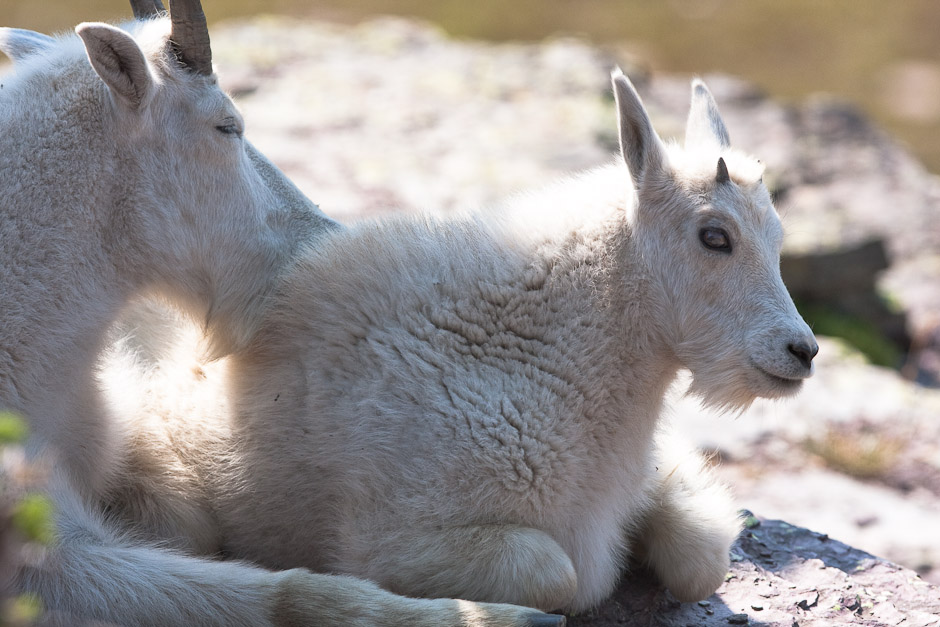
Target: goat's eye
point(229, 129)
point(715, 239)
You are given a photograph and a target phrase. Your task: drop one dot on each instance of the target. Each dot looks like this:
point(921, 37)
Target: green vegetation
point(751, 521)
point(20, 611)
point(31, 515)
point(861, 334)
point(12, 429)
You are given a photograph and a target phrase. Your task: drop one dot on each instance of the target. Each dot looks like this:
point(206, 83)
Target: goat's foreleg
point(501, 563)
point(686, 534)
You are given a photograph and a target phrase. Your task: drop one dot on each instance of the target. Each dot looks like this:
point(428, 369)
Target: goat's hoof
point(547, 620)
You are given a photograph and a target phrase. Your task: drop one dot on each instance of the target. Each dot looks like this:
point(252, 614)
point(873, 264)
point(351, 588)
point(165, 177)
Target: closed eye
point(229, 129)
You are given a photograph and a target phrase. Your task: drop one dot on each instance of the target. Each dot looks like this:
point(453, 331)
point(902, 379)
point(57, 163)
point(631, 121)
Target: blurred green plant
point(13, 429)
point(32, 517)
point(861, 334)
point(21, 611)
point(26, 518)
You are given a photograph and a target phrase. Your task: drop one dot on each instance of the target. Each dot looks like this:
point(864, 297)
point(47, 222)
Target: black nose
point(804, 351)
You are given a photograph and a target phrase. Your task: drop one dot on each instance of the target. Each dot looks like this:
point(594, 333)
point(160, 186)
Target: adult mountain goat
point(468, 406)
point(123, 171)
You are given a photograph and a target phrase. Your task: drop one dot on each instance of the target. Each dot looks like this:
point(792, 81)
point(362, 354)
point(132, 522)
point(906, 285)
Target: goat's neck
point(642, 309)
point(52, 335)
point(62, 286)
point(643, 364)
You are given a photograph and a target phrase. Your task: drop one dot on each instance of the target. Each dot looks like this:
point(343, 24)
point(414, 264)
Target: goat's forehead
point(752, 210)
point(749, 205)
point(702, 165)
point(744, 199)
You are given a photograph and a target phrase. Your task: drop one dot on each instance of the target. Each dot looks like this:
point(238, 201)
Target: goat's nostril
point(804, 351)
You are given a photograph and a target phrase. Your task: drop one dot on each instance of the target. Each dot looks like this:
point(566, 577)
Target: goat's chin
point(734, 390)
point(774, 386)
point(722, 392)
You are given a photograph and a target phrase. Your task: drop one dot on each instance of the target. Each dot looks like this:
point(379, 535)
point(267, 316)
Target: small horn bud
point(723, 176)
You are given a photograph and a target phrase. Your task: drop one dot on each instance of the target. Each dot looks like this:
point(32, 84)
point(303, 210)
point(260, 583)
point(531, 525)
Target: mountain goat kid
point(123, 171)
point(468, 406)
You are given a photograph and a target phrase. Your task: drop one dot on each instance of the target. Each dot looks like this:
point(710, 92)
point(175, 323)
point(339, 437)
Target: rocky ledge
point(782, 575)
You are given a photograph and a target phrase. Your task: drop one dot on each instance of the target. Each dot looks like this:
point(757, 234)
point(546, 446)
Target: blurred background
point(885, 57)
point(463, 103)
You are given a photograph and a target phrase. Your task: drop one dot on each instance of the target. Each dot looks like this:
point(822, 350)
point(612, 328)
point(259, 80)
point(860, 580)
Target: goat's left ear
point(705, 126)
point(640, 145)
point(119, 61)
point(18, 44)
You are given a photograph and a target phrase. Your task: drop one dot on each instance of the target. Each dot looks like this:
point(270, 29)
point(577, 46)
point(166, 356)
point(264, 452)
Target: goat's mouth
point(787, 385)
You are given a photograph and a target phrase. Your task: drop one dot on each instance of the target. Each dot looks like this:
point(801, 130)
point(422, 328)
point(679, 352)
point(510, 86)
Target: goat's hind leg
point(494, 563)
point(334, 601)
point(687, 533)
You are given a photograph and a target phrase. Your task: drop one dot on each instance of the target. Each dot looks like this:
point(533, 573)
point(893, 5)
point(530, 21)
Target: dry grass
point(857, 450)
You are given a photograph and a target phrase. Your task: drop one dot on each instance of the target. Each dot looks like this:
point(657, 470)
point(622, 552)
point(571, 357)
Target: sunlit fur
point(731, 318)
point(115, 183)
point(470, 406)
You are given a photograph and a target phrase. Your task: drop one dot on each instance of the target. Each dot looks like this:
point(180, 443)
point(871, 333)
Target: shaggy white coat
point(470, 406)
point(123, 175)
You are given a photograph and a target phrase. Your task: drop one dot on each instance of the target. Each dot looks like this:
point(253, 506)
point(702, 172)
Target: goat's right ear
point(18, 44)
point(119, 61)
point(641, 147)
point(705, 126)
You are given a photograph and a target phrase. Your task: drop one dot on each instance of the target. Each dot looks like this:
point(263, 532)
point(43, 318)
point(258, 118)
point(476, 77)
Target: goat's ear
point(705, 126)
point(119, 62)
point(18, 44)
point(641, 147)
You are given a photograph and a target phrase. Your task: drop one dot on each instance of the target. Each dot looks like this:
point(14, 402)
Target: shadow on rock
point(780, 575)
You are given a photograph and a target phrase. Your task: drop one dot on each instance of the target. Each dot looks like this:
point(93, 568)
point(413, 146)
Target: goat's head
point(706, 228)
point(156, 159)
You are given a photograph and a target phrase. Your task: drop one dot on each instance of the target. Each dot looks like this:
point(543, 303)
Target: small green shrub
point(861, 334)
point(13, 429)
point(32, 517)
point(25, 513)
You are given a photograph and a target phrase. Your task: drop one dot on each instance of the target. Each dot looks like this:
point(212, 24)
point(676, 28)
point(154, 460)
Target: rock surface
point(392, 115)
point(783, 575)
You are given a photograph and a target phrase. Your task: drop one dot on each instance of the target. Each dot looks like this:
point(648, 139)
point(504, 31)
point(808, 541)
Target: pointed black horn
point(146, 9)
point(190, 35)
point(723, 176)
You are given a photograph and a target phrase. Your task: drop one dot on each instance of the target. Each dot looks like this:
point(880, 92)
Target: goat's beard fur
point(725, 381)
point(725, 392)
point(732, 386)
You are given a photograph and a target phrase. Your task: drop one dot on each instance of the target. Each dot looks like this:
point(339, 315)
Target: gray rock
point(781, 575)
point(844, 280)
